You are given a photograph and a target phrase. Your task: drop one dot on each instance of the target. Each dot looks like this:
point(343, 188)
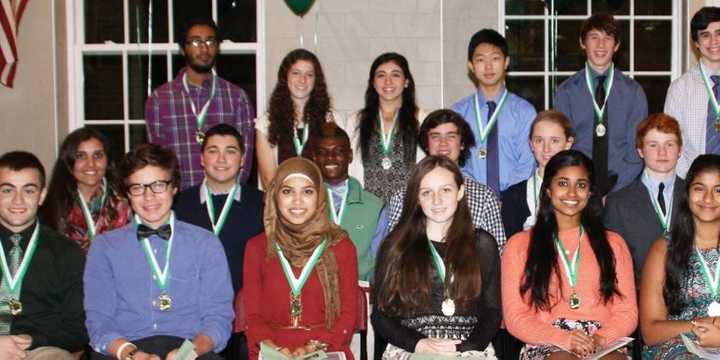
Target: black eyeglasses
point(209, 42)
point(157, 187)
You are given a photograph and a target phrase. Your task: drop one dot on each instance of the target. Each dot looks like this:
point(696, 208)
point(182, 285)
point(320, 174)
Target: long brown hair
point(405, 265)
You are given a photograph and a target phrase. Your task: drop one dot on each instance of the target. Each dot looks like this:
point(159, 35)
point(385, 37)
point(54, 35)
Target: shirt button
point(155, 251)
point(154, 303)
point(154, 326)
point(154, 277)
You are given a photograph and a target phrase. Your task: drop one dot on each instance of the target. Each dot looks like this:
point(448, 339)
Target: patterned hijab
point(297, 242)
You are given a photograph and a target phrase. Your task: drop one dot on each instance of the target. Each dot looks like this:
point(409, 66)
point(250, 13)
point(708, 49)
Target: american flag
point(10, 13)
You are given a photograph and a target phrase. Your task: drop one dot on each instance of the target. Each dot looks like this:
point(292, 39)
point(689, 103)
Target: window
point(648, 52)
point(120, 50)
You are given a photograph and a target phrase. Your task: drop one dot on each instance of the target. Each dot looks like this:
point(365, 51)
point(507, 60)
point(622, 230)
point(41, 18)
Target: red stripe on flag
point(20, 12)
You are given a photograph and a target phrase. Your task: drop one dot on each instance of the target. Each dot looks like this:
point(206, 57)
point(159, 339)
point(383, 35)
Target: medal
point(711, 95)
point(571, 269)
point(297, 284)
point(164, 302)
point(574, 301)
point(295, 310)
point(200, 117)
point(386, 140)
point(600, 130)
point(386, 163)
point(482, 153)
point(712, 281)
point(448, 307)
point(15, 306)
point(199, 137)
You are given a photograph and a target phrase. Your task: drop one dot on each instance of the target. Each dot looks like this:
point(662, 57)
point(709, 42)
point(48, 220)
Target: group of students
point(126, 257)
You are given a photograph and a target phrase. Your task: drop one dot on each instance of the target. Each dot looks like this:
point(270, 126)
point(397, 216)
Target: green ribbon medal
point(600, 129)
point(297, 284)
point(448, 304)
point(337, 215)
point(161, 276)
point(218, 225)
point(91, 225)
point(386, 140)
point(14, 283)
point(484, 131)
point(711, 95)
point(712, 282)
point(297, 142)
point(571, 268)
point(200, 117)
point(664, 219)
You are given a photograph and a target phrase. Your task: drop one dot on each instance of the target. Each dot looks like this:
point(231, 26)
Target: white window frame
point(77, 48)
point(676, 42)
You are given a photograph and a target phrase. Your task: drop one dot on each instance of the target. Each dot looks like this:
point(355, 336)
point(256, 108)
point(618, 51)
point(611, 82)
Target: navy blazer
point(514, 208)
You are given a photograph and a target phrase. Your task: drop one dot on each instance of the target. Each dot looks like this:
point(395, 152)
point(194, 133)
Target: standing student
point(693, 98)
point(298, 107)
point(567, 283)
point(384, 133)
point(604, 106)
point(179, 113)
point(499, 119)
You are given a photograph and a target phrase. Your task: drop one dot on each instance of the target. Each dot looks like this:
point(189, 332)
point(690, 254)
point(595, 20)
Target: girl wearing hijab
point(300, 275)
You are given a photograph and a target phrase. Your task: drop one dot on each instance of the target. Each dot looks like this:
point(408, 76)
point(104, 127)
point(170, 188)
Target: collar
point(653, 183)
point(179, 81)
point(25, 233)
point(203, 198)
point(355, 192)
point(483, 100)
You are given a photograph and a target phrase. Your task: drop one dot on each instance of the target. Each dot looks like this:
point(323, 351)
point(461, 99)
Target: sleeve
point(256, 329)
point(525, 160)
point(244, 115)
point(493, 221)
point(216, 294)
point(562, 102)
point(521, 319)
point(381, 231)
point(152, 118)
point(71, 335)
point(623, 308)
point(611, 215)
point(344, 326)
point(671, 106)
point(100, 297)
point(488, 308)
point(639, 111)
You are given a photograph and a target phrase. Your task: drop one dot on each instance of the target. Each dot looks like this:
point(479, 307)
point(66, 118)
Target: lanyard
point(296, 284)
point(161, 276)
point(485, 131)
point(536, 190)
point(200, 117)
point(386, 140)
point(664, 219)
point(713, 282)
point(298, 143)
point(599, 112)
point(438, 261)
point(711, 94)
point(570, 268)
point(337, 216)
point(14, 282)
point(218, 225)
point(91, 225)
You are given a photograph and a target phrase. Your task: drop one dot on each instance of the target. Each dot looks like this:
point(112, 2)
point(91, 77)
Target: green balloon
point(300, 7)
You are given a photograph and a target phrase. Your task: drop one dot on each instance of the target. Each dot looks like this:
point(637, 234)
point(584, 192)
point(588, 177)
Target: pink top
point(618, 317)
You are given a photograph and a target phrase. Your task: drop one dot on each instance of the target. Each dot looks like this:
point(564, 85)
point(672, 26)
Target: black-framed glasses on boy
point(157, 187)
point(197, 42)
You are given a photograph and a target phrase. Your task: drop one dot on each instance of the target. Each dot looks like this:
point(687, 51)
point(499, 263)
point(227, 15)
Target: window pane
point(185, 10)
point(236, 20)
point(524, 7)
point(137, 81)
point(138, 135)
point(571, 57)
point(653, 7)
point(613, 7)
point(103, 87)
point(651, 54)
point(531, 88)
point(558, 80)
point(655, 89)
point(525, 41)
point(116, 136)
point(139, 21)
point(571, 7)
point(103, 21)
point(238, 69)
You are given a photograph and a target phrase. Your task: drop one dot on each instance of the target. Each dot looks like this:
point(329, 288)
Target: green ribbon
point(485, 131)
point(15, 282)
point(599, 112)
point(438, 261)
point(713, 282)
point(711, 94)
point(570, 268)
point(300, 144)
point(218, 225)
point(91, 224)
point(161, 276)
point(386, 140)
point(296, 284)
point(664, 219)
point(337, 216)
point(200, 118)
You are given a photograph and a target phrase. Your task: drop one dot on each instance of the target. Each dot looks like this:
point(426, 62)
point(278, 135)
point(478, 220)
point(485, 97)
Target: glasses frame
point(197, 43)
point(153, 186)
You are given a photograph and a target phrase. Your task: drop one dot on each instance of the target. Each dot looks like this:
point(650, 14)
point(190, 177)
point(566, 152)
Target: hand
point(707, 333)
point(581, 344)
point(437, 346)
point(9, 349)
point(171, 355)
point(600, 342)
point(303, 350)
point(22, 341)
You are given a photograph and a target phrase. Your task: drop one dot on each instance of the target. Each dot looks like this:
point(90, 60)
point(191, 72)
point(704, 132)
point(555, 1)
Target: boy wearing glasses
point(179, 112)
point(158, 284)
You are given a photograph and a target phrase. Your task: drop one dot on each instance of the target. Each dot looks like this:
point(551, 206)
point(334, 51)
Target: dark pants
point(159, 345)
point(380, 345)
point(506, 346)
point(236, 348)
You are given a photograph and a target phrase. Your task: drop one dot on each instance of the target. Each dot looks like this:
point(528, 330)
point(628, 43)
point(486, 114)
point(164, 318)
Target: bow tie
point(163, 232)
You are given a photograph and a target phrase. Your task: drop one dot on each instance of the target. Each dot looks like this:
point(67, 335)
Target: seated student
point(84, 197)
point(157, 281)
point(351, 207)
point(301, 278)
point(678, 291)
point(567, 284)
point(604, 105)
point(643, 211)
point(41, 314)
point(437, 279)
point(499, 119)
point(550, 133)
point(445, 133)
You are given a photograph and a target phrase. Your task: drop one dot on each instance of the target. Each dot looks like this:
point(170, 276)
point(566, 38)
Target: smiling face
point(301, 80)
point(153, 209)
point(332, 155)
point(297, 199)
point(439, 195)
point(547, 139)
point(222, 160)
point(661, 152)
point(90, 164)
point(445, 140)
point(389, 81)
point(704, 197)
point(599, 49)
point(569, 192)
point(488, 65)
point(708, 44)
point(21, 194)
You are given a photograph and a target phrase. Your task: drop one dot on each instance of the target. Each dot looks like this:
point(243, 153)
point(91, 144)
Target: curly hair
point(282, 109)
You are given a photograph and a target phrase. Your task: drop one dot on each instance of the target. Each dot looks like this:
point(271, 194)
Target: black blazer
point(514, 208)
